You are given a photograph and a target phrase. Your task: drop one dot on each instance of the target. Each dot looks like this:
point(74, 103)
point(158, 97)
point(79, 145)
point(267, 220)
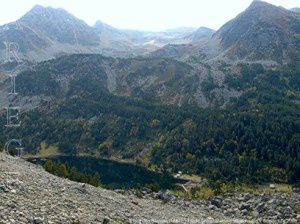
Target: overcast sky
point(151, 15)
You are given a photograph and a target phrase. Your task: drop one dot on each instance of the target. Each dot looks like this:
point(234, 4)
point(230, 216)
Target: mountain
point(171, 36)
point(202, 72)
point(156, 39)
point(222, 108)
point(43, 33)
point(128, 109)
point(59, 26)
point(295, 10)
point(202, 33)
point(165, 80)
point(262, 32)
point(183, 35)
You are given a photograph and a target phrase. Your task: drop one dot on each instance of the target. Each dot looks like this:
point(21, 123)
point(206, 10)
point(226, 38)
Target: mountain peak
point(37, 7)
point(40, 11)
point(101, 25)
point(261, 6)
point(59, 25)
point(259, 3)
point(243, 35)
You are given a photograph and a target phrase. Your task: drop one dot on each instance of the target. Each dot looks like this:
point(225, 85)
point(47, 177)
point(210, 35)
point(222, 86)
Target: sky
point(148, 15)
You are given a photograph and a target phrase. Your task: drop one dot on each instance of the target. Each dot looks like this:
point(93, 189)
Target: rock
point(4, 188)
point(271, 201)
point(164, 196)
point(134, 202)
point(272, 186)
point(247, 197)
point(38, 220)
point(211, 207)
point(244, 212)
point(279, 215)
point(288, 211)
point(271, 212)
point(216, 202)
point(65, 201)
point(255, 214)
point(245, 206)
point(260, 207)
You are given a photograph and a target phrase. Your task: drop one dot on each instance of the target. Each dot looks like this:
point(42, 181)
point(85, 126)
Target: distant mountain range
point(263, 35)
point(44, 33)
point(262, 32)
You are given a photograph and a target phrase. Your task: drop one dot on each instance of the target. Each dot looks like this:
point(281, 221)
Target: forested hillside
point(255, 138)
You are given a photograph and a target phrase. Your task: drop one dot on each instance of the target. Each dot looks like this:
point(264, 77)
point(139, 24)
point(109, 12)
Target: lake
point(115, 174)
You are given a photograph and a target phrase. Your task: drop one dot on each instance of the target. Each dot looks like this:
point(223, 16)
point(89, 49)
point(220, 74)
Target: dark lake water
point(115, 174)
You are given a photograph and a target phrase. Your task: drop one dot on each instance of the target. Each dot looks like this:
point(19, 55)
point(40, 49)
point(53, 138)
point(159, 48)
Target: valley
point(118, 117)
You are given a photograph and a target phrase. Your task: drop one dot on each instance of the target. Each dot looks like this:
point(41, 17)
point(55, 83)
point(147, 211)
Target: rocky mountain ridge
point(44, 33)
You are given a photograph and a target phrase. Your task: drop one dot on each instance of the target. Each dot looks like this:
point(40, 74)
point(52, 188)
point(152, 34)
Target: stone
point(255, 214)
point(65, 201)
point(260, 207)
point(38, 220)
point(244, 212)
point(245, 206)
point(216, 202)
point(247, 197)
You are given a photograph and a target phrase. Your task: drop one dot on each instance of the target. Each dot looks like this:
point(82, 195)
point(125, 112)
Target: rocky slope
point(31, 195)
point(166, 80)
